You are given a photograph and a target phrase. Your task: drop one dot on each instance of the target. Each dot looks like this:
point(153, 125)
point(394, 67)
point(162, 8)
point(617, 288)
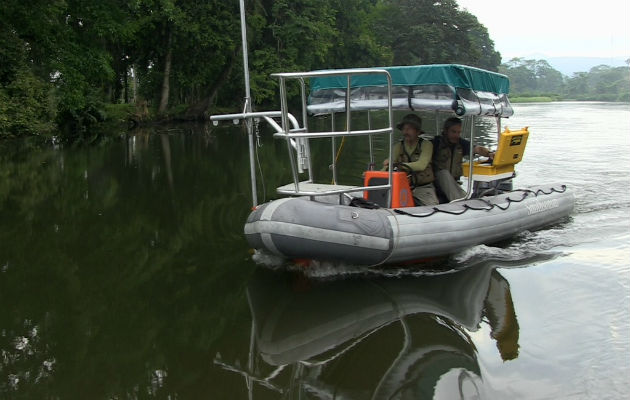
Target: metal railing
point(287, 133)
point(298, 137)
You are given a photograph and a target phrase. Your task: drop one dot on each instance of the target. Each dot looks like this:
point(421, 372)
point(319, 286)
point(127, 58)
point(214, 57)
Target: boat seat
point(509, 153)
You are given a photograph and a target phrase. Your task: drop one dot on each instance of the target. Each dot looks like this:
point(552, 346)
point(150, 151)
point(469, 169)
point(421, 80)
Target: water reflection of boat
point(376, 338)
point(377, 222)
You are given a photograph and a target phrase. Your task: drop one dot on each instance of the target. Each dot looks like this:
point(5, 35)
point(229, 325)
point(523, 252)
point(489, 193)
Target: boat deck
point(307, 188)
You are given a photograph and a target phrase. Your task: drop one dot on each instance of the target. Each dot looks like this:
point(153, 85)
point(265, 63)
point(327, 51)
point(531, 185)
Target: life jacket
point(448, 156)
point(422, 177)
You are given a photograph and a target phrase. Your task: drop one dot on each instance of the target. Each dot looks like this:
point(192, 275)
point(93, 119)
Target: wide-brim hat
point(411, 119)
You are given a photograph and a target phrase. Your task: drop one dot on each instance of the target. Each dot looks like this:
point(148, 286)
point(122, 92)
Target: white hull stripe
point(266, 216)
point(268, 242)
point(265, 228)
point(269, 210)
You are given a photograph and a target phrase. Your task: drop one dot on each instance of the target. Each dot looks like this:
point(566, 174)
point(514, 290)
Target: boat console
point(510, 149)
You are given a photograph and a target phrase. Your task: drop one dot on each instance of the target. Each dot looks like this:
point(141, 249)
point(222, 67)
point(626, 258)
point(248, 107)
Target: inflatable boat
point(300, 228)
point(378, 222)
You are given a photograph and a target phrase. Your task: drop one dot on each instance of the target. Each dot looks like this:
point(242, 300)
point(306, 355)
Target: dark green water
point(124, 274)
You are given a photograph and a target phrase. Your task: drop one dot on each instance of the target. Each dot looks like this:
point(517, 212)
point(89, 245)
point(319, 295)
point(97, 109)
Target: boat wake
point(514, 256)
point(525, 249)
point(265, 259)
point(325, 270)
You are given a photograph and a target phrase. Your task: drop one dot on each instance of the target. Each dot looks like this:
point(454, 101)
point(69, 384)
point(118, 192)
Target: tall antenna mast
point(247, 108)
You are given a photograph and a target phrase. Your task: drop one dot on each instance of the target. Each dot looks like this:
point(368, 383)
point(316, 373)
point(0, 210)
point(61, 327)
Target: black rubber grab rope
point(489, 205)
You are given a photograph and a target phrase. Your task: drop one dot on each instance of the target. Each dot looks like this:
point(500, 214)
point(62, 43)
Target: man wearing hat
point(450, 148)
point(415, 154)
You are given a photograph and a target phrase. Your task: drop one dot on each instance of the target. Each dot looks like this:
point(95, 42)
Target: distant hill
point(569, 65)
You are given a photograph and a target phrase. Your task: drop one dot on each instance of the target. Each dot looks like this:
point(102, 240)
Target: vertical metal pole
point(498, 129)
point(286, 128)
point(332, 139)
point(307, 142)
point(245, 59)
point(390, 113)
point(304, 110)
point(370, 140)
point(437, 123)
point(470, 157)
point(248, 106)
point(349, 80)
point(334, 163)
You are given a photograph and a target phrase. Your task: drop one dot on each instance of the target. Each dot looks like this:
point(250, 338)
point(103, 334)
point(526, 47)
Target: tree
point(62, 60)
point(532, 76)
point(428, 32)
point(355, 44)
point(548, 79)
point(602, 83)
point(522, 75)
point(183, 50)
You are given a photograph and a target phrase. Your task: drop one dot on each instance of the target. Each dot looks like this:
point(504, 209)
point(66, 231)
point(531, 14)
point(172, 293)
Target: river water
point(124, 274)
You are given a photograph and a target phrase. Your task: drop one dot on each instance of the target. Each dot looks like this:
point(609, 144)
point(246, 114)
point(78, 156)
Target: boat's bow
point(305, 229)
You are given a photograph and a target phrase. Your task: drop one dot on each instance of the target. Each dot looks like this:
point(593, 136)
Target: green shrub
point(119, 112)
point(26, 106)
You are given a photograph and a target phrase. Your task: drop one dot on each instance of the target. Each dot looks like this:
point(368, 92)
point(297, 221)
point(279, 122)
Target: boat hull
point(305, 229)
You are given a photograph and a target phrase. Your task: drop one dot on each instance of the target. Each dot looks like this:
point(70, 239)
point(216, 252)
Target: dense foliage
point(63, 61)
point(536, 78)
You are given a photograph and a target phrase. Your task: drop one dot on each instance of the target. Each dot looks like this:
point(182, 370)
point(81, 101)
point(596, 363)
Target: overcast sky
point(555, 28)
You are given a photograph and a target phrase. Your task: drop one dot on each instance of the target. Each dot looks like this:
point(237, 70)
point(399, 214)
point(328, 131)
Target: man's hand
point(482, 151)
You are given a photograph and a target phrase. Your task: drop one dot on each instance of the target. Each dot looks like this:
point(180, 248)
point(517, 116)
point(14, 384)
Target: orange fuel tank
point(403, 197)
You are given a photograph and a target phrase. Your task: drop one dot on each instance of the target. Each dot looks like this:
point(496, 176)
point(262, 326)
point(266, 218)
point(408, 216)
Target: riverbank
point(106, 120)
point(118, 118)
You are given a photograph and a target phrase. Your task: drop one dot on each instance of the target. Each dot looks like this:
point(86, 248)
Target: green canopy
point(440, 87)
point(454, 75)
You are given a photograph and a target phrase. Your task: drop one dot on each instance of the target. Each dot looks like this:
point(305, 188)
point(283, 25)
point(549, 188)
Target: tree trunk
point(199, 109)
point(126, 84)
point(134, 76)
point(167, 75)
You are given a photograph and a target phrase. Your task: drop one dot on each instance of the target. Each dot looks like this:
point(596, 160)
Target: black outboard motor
point(492, 188)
